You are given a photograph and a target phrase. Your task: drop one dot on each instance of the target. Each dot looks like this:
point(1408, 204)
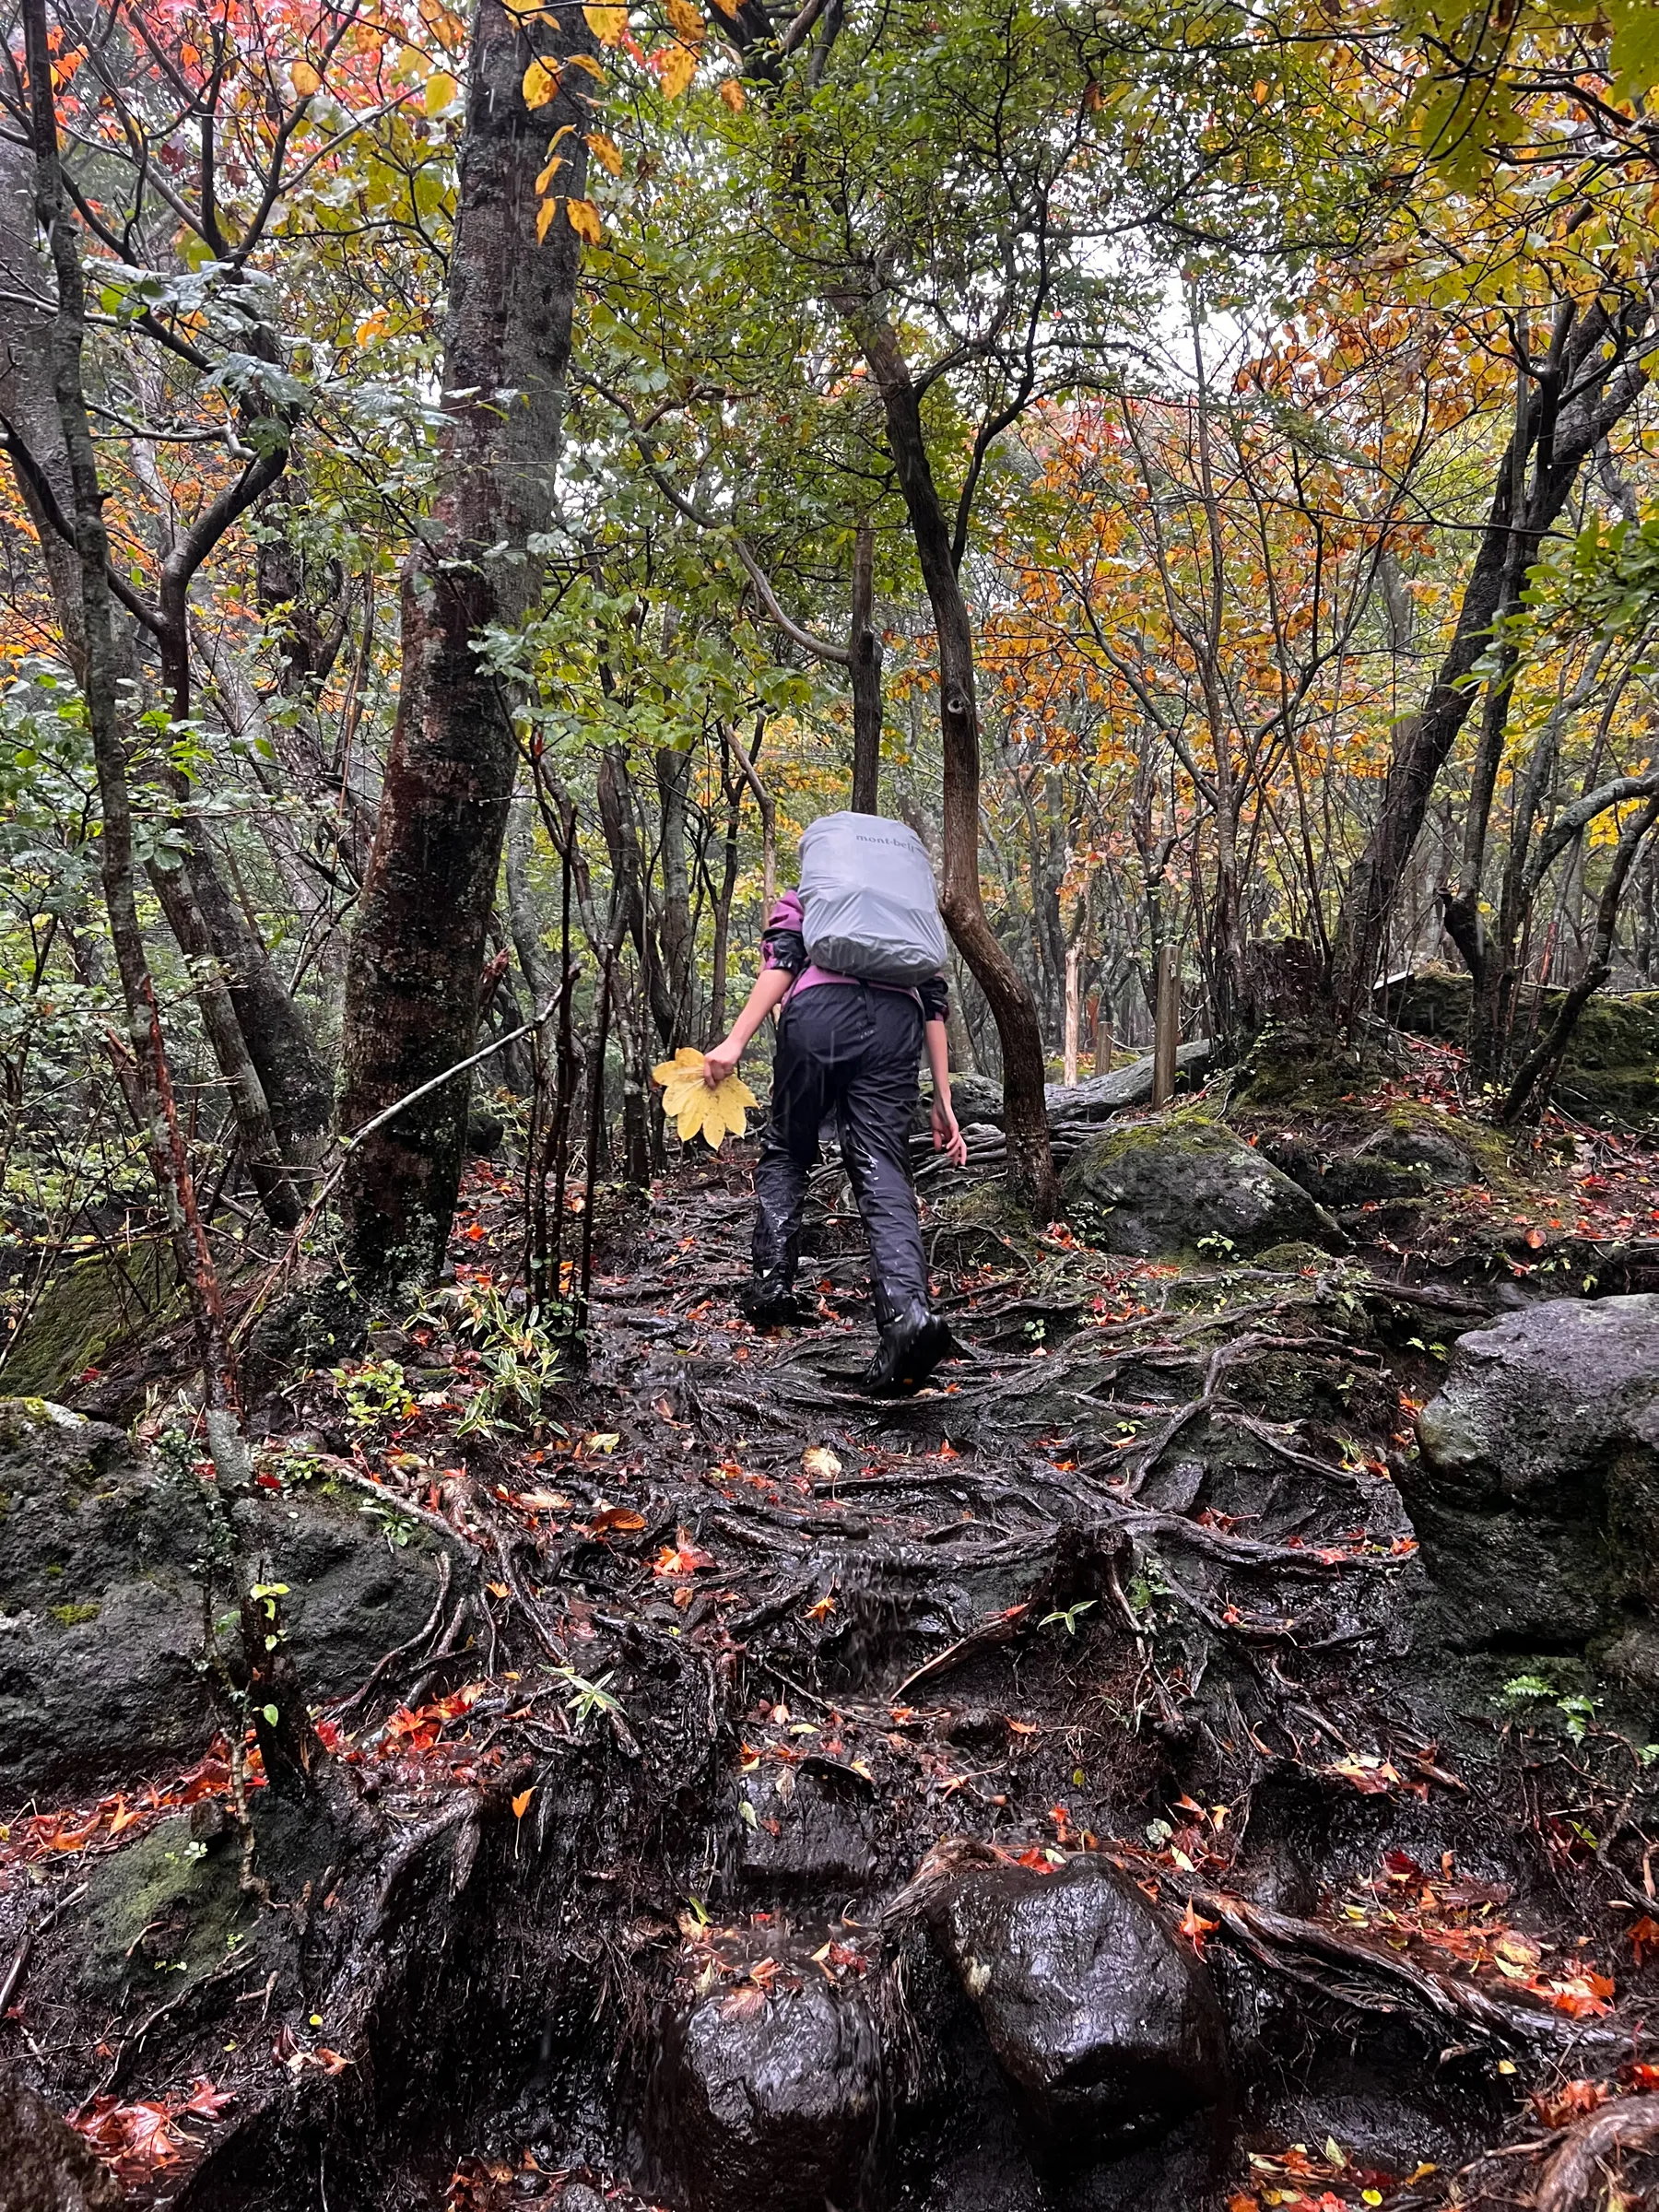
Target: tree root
point(1627, 2123)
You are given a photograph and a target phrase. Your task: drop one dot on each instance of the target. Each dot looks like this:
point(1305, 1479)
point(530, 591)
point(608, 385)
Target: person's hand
point(721, 1061)
point(948, 1139)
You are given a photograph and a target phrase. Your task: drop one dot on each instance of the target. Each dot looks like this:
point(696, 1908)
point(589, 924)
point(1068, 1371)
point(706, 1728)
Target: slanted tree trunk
point(1030, 1160)
point(1602, 372)
point(418, 949)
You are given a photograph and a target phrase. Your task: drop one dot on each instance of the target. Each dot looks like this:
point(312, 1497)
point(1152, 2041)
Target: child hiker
point(855, 960)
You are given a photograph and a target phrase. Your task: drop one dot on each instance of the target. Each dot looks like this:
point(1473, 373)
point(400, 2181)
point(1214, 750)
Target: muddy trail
point(1195, 1754)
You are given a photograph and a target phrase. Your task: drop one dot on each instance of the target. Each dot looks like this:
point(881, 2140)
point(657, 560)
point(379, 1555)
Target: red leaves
point(137, 2140)
point(1644, 1936)
point(1559, 2108)
point(681, 1556)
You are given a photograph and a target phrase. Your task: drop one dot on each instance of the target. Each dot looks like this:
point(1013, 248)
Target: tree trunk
point(1030, 1160)
point(1602, 387)
point(864, 644)
point(418, 949)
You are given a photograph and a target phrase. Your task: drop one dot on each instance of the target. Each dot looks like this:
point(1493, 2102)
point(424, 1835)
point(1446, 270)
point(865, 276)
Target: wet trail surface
point(1049, 1790)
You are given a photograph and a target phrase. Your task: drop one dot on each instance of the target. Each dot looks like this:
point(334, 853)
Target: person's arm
point(771, 987)
point(948, 1139)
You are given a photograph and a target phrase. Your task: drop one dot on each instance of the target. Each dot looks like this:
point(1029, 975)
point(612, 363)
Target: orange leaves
point(138, 2141)
point(682, 1557)
point(1644, 1936)
point(520, 1804)
point(585, 219)
point(615, 1518)
point(1194, 1927)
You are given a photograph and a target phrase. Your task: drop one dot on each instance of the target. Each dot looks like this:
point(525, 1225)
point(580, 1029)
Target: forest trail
point(741, 1690)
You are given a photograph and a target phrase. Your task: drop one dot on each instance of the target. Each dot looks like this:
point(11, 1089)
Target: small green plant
point(376, 1392)
point(1577, 1711)
point(520, 1361)
point(586, 1698)
point(1223, 1248)
point(1069, 1617)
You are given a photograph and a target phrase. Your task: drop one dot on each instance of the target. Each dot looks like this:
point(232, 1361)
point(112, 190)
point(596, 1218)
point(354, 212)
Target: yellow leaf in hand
point(585, 220)
point(541, 82)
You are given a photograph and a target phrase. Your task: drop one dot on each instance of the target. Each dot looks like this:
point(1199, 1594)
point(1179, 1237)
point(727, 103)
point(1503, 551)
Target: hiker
point(855, 960)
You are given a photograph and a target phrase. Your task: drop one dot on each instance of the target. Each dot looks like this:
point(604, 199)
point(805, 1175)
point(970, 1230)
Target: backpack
point(867, 904)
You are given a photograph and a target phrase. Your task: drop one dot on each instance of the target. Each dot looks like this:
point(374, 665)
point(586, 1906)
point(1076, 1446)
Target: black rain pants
point(850, 1050)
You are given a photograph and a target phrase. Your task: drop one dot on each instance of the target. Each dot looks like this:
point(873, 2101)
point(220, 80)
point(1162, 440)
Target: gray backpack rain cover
point(867, 902)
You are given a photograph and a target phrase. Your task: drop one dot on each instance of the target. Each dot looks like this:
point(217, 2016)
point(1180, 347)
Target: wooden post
point(1166, 1033)
point(1072, 960)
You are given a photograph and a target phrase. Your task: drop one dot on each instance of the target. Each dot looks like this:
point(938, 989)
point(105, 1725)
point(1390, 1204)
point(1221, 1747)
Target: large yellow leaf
point(679, 67)
point(544, 217)
point(606, 151)
point(304, 79)
point(608, 25)
point(541, 82)
point(441, 90)
point(585, 219)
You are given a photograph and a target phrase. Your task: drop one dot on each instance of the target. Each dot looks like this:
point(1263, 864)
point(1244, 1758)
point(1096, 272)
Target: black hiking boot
point(913, 1341)
point(767, 1302)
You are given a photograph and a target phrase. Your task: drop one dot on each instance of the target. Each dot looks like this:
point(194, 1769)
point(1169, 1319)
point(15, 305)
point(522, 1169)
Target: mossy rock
point(1611, 1070)
point(1184, 1187)
point(87, 1311)
point(983, 1220)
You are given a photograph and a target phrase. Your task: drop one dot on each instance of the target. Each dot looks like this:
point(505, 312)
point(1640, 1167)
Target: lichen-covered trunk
point(416, 953)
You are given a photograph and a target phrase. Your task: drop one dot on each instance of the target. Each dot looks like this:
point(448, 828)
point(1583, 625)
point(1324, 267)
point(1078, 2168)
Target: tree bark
point(863, 647)
point(416, 952)
point(1030, 1160)
point(1599, 388)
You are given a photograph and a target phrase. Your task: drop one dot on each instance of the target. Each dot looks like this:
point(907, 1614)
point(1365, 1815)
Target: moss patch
point(76, 1617)
point(85, 1313)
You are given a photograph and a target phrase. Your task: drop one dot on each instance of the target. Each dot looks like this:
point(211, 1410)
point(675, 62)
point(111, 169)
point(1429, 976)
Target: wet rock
point(1106, 2030)
point(44, 2165)
point(1390, 1160)
point(101, 1604)
point(1185, 1186)
point(1536, 1497)
point(576, 2197)
point(775, 2100)
point(811, 1829)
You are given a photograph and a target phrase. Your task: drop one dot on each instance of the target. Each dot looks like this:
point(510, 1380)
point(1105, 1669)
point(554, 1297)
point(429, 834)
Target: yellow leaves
point(608, 25)
point(733, 94)
point(541, 82)
point(676, 68)
point(544, 219)
point(585, 219)
point(819, 1462)
point(585, 61)
point(305, 80)
point(686, 19)
point(606, 151)
point(440, 91)
point(694, 1107)
point(547, 174)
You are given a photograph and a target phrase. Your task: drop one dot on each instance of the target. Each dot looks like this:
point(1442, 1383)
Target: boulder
point(1535, 1495)
point(774, 2100)
point(101, 1600)
point(1394, 1158)
point(1184, 1186)
point(44, 2165)
point(1106, 2029)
